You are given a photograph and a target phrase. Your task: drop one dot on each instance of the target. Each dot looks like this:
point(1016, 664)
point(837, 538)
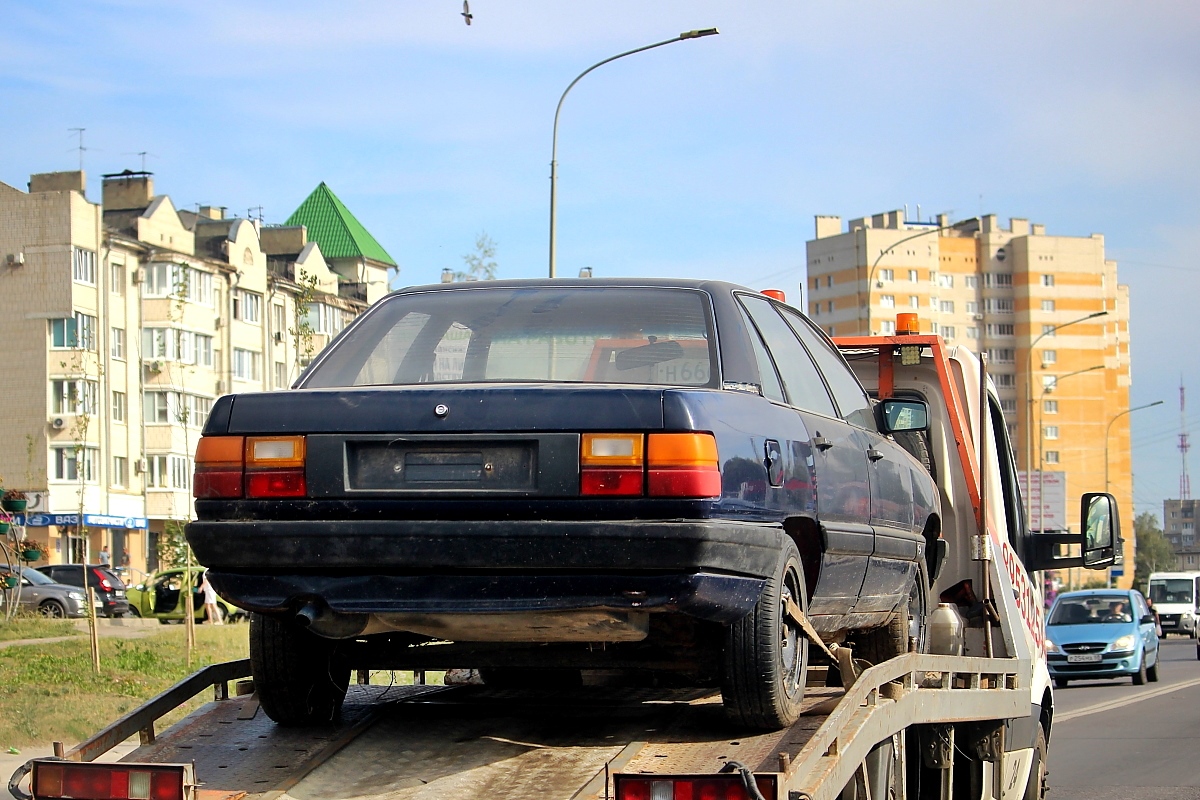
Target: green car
point(161, 598)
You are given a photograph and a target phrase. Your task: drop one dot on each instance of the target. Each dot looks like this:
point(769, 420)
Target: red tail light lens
point(219, 467)
point(104, 582)
point(94, 781)
point(276, 483)
point(691, 787)
point(611, 464)
point(682, 465)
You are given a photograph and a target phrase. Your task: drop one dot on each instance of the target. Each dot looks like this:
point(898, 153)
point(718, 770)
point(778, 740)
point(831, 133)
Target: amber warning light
point(907, 324)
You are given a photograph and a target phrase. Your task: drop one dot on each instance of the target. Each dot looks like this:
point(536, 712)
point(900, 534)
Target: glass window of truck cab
point(608, 335)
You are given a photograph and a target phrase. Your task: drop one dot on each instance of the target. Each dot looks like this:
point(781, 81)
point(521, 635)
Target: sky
point(703, 158)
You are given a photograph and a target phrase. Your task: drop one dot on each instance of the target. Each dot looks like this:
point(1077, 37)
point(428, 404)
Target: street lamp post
point(554, 143)
point(893, 246)
point(1108, 430)
point(1029, 400)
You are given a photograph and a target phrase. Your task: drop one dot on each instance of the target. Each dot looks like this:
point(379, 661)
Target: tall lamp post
point(554, 144)
point(1029, 399)
point(1108, 430)
point(893, 246)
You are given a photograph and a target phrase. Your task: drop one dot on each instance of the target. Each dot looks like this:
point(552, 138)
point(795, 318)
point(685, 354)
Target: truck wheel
point(906, 632)
point(1037, 785)
point(1139, 677)
point(766, 653)
point(299, 679)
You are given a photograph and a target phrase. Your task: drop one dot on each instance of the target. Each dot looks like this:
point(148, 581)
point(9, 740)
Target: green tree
point(1154, 552)
point(481, 265)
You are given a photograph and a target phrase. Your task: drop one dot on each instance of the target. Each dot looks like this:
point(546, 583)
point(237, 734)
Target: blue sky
point(704, 158)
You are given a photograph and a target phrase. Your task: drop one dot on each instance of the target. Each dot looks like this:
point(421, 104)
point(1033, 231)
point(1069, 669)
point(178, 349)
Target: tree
point(1154, 552)
point(481, 265)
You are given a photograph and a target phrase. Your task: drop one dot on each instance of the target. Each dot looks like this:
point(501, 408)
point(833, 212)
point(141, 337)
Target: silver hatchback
point(39, 593)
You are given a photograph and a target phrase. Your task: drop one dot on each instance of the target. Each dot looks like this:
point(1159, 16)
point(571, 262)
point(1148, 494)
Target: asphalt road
point(1115, 741)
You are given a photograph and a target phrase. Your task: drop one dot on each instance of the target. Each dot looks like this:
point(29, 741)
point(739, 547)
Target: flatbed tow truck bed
point(447, 742)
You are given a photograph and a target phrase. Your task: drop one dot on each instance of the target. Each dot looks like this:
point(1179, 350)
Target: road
point(1114, 741)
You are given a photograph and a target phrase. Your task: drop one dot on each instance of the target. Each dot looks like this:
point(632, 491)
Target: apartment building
point(122, 321)
point(1179, 526)
point(1047, 310)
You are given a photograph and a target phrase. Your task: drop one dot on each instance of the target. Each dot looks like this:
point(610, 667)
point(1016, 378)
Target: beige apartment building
point(122, 321)
point(1032, 302)
point(1179, 526)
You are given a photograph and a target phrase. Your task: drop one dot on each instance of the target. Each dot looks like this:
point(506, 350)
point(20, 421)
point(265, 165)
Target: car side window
point(801, 379)
point(851, 399)
point(767, 376)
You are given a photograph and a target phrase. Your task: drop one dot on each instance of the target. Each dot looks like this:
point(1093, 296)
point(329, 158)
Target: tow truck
point(969, 717)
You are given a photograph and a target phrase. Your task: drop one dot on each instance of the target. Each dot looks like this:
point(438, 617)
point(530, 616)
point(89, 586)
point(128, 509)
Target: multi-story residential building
point(1047, 310)
point(122, 321)
point(1179, 526)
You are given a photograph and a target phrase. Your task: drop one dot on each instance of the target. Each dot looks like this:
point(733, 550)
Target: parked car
point(565, 475)
point(109, 589)
point(161, 597)
point(40, 593)
point(1101, 633)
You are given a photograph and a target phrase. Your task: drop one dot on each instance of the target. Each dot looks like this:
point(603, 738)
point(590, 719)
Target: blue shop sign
point(89, 520)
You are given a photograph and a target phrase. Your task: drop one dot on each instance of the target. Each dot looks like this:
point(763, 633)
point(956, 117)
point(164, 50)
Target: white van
point(1175, 595)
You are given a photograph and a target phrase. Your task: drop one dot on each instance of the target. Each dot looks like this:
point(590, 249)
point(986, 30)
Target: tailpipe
point(317, 617)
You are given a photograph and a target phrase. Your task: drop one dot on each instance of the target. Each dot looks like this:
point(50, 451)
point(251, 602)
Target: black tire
point(1139, 677)
point(1152, 672)
point(53, 609)
point(133, 612)
point(516, 678)
point(165, 621)
point(298, 677)
point(1037, 786)
point(766, 656)
point(906, 632)
point(1061, 683)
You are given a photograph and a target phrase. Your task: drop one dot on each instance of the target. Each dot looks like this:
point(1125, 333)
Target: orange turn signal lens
point(275, 451)
point(219, 451)
point(681, 450)
point(611, 450)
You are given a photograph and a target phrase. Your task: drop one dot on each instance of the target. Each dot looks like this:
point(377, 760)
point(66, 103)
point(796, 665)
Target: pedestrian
point(211, 612)
point(105, 558)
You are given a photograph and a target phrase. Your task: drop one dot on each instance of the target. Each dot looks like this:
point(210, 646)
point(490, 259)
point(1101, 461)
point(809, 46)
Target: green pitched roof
point(338, 232)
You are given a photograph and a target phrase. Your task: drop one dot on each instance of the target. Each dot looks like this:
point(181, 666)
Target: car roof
point(580, 283)
point(1096, 593)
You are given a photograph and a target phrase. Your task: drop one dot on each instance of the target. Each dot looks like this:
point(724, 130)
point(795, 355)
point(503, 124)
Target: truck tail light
point(275, 466)
point(219, 467)
point(690, 787)
point(95, 781)
point(682, 465)
point(611, 464)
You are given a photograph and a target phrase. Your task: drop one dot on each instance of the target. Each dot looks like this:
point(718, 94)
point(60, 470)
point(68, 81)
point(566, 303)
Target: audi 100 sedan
point(538, 479)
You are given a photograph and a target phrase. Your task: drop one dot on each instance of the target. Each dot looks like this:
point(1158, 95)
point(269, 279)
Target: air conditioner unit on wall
point(139, 466)
point(58, 423)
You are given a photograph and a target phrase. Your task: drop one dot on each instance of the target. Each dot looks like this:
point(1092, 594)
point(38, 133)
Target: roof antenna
point(80, 147)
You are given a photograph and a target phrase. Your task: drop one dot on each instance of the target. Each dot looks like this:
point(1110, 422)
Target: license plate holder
point(1084, 658)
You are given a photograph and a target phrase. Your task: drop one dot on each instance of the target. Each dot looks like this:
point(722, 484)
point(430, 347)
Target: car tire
point(1061, 683)
point(298, 676)
point(53, 609)
point(1152, 672)
point(1139, 677)
point(906, 632)
point(1037, 786)
point(766, 655)
point(164, 621)
point(516, 678)
point(133, 612)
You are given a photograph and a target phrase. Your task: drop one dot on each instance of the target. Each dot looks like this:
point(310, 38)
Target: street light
point(1109, 430)
point(554, 144)
point(1029, 397)
point(1041, 435)
point(894, 245)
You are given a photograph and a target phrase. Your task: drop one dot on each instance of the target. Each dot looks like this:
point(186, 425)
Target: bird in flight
point(466, 12)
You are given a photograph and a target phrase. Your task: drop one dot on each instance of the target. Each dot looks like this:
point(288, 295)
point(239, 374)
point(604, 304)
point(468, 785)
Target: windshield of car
point(1099, 608)
point(35, 577)
point(644, 335)
point(1170, 590)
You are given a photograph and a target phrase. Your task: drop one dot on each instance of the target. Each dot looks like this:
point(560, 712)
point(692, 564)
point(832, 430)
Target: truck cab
point(1175, 597)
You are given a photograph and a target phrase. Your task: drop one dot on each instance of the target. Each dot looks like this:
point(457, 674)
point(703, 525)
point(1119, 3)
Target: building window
point(830, 330)
point(1051, 456)
point(83, 263)
point(1000, 355)
point(828, 281)
point(972, 332)
point(179, 281)
point(1000, 330)
point(887, 275)
point(887, 327)
point(85, 325)
point(159, 407)
point(887, 300)
point(198, 410)
point(75, 396)
point(816, 309)
point(946, 306)
point(79, 331)
point(203, 349)
point(281, 375)
point(168, 472)
point(829, 307)
point(72, 463)
point(912, 276)
point(1008, 406)
point(120, 471)
point(156, 472)
point(247, 306)
point(1047, 305)
point(998, 305)
point(117, 275)
point(971, 282)
point(972, 307)
point(247, 365)
point(946, 281)
point(117, 343)
point(118, 406)
point(997, 279)
point(914, 301)
point(1049, 356)
point(816, 282)
point(1004, 380)
point(1051, 432)
point(1049, 406)
point(1048, 330)
point(1047, 280)
point(328, 320)
point(947, 332)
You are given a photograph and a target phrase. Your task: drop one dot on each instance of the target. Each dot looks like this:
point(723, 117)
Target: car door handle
point(821, 443)
point(874, 454)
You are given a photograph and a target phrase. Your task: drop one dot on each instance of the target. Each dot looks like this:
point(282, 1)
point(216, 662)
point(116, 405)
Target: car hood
point(1089, 632)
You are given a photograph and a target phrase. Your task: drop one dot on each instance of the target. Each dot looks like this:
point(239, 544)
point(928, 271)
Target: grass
point(48, 692)
point(35, 627)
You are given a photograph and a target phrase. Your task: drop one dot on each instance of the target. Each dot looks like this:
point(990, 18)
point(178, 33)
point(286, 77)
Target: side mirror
point(897, 416)
point(1101, 528)
point(1148, 619)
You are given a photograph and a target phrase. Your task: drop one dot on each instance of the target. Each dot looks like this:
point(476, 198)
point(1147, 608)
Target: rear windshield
point(653, 336)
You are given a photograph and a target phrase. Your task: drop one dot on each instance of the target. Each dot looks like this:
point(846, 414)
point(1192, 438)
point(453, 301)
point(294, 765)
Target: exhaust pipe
point(309, 613)
point(320, 619)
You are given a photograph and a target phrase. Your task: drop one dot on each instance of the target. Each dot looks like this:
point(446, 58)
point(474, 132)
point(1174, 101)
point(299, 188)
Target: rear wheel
point(1037, 785)
point(298, 676)
point(1152, 673)
point(1139, 677)
point(53, 608)
point(766, 653)
point(905, 633)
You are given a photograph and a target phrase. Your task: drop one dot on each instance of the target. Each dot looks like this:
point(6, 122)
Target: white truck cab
point(1176, 599)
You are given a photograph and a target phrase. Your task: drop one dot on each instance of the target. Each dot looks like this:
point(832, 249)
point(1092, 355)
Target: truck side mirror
point(1101, 528)
point(897, 416)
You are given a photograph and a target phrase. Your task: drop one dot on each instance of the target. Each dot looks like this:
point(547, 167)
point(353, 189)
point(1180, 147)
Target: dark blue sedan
point(1101, 633)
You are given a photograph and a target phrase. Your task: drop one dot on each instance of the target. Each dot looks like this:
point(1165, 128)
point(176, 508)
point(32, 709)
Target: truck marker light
point(683, 465)
point(219, 462)
point(612, 464)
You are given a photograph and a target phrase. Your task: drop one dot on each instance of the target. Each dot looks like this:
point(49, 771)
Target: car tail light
point(93, 781)
point(690, 787)
point(611, 464)
point(275, 466)
point(219, 467)
point(104, 582)
point(682, 465)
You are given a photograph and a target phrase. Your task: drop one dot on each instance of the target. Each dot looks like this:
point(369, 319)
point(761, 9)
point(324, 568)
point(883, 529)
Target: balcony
point(353, 291)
